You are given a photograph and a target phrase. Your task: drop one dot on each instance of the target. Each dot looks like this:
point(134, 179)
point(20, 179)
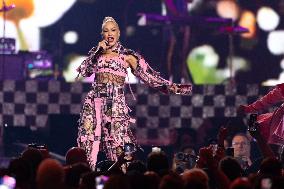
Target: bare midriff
point(109, 78)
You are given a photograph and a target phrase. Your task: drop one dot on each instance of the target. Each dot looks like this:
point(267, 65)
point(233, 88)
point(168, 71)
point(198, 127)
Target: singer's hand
point(103, 44)
point(174, 88)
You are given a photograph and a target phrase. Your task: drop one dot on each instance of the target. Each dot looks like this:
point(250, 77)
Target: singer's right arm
point(87, 67)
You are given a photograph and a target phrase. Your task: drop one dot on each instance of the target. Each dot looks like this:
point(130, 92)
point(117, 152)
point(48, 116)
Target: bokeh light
point(70, 37)
point(275, 42)
point(248, 21)
point(228, 9)
point(267, 18)
point(202, 64)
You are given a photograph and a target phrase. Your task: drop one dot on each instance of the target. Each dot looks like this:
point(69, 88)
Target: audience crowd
point(224, 163)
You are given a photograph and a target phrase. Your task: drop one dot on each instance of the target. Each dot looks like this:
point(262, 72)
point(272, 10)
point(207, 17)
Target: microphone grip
point(99, 50)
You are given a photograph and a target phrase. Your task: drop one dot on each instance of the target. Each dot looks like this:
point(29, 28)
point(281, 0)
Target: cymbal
point(150, 19)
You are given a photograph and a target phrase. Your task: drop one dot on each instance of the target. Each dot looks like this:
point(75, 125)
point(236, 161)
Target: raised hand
point(223, 132)
point(103, 44)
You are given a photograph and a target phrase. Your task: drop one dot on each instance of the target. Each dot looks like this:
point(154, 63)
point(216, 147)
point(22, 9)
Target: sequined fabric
point(104, 122)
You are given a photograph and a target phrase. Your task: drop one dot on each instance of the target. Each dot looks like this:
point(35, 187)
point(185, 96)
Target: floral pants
point(104, 123)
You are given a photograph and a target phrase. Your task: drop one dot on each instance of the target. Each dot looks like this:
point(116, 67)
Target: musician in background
point(177, 39)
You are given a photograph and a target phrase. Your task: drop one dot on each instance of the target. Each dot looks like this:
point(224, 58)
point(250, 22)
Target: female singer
point(104, 119)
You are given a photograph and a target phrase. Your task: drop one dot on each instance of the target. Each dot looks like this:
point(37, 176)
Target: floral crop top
point(115, 65)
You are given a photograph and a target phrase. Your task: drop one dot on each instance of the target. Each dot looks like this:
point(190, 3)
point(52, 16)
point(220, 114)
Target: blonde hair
point(109, 19)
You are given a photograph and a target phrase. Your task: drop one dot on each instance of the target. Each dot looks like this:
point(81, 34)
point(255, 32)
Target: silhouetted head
point(75, 155)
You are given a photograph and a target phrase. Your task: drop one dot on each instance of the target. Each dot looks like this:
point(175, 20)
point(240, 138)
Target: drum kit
point(220, 26)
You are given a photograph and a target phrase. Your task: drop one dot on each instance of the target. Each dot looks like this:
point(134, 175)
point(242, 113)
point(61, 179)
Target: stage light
point(70, 37)
point(282, 64)
point(228, 9)
point(248, 20)
point(142, 21)
point(193, 5)
point(267, 18)
point(164, 9)
point(275, 42)
point(130, 31)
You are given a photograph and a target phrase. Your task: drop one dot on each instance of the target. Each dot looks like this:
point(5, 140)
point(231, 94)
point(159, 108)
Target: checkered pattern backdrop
point(29, 103)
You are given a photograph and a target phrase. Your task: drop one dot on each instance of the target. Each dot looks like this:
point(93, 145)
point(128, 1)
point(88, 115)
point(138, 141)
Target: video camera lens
point(180, 156)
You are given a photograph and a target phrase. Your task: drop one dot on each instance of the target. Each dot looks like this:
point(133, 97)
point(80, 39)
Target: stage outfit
point(271, 124)
point(104, 123)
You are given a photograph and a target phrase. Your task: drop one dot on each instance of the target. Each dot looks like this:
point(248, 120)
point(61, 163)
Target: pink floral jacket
point(143, 71)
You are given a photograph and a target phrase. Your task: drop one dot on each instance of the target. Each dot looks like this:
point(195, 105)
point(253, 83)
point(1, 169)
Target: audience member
point(241, 145)
point(171, 181)
point(195, 178)
point(21, 170)
point(136, 167)
point(271, 167)
point(117, 182)
point(184, 159)
point(231, 168)
point(158, 162)
point(75, 155)
point(50, 174)
point(74, 172)
point(241, 183)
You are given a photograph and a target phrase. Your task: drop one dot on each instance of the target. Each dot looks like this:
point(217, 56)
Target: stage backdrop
point(30, 104)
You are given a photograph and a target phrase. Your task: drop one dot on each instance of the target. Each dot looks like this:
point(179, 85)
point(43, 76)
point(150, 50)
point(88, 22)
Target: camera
point(181, 156)
point(184, 161)
point(252, 124)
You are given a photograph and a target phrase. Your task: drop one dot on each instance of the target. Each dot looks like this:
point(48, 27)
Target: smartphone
point(7, 182)
point(100, 181)
point(252, 122)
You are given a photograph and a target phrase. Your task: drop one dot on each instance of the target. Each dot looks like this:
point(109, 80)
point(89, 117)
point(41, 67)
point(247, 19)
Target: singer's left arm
point(141, 69)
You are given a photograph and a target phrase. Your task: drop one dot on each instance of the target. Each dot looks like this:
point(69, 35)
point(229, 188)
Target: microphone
point(101, 49)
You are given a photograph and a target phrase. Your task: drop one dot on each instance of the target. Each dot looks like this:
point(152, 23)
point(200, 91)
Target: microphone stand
point(4, 9)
